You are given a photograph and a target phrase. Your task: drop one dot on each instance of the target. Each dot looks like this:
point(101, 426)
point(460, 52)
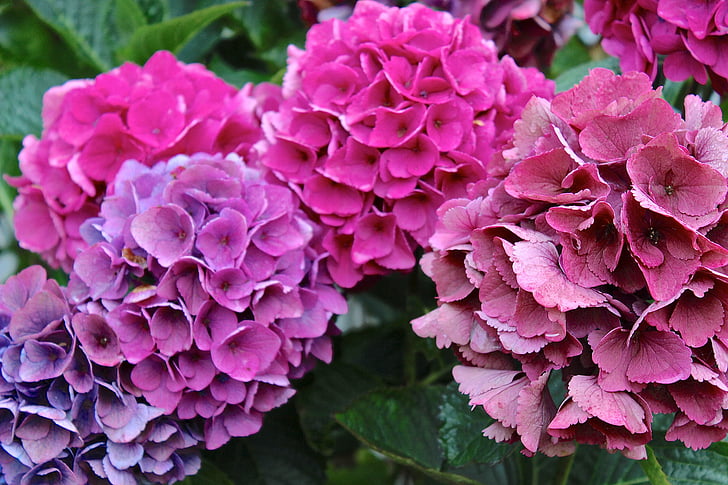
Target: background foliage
point(386, 411)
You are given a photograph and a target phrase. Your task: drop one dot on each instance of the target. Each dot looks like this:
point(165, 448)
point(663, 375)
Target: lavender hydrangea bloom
point(64, 415)
point(226, 296)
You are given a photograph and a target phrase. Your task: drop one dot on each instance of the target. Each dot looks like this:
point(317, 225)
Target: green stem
point(435, 376)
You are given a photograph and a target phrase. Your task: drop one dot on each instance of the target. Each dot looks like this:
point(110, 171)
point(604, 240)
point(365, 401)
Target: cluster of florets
point(529, 31)
point(147, 113)
point(387, 115)
point(597, 247)
point(207, 283)
point(689, 34)
point(65, 416)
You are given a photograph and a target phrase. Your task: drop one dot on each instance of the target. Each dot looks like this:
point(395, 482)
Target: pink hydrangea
point(387, 115)
point(689, 35)
point(210, 282)
point(90, 127)
point(594, 252)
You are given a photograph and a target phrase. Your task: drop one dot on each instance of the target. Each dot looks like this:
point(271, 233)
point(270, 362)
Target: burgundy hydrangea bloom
point(689, 35)
point(90, 127)
point(381, 125)
point(206, 285)
point(530, 31)
point(65, 416)
point(595, 250)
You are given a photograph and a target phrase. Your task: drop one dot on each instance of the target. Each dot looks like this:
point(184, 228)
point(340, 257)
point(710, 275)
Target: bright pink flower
point(391, 120)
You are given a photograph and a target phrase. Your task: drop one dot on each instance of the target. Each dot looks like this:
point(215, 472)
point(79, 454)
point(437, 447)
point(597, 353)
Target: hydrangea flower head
point(207, 283)
point(595, 251)
point(688, 34)
point(386, 115)
point(65, 415)
point(90, 127)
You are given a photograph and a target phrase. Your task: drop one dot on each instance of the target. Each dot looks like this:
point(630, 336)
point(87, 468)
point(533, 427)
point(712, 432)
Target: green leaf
point(570, 77)
point(277, 455)
point(86, 26)
point(572, 54)
point(653, 469)
point(209, 474)
point(401, 423)
point(332, 389)
point(21, 96)
point(26, 40)
point(128, 17)
point(683, 466)
point(461, 435)
point(172, 34)
point(595, 466)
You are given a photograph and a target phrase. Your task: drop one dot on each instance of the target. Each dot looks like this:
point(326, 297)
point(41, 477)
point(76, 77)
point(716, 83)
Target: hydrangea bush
point(594, 253)
point(575, 247)
point(688, 35)
point(90, 127)
point(381, 124)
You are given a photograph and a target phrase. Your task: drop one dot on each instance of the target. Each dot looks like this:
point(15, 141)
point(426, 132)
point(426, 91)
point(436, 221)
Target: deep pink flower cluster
point(690, 34)
point(387, 115)
point(147, 113)
point(206, 283)
point(65, 415)
point(597, 246)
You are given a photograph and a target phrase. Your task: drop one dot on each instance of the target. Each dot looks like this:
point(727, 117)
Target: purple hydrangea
point(206, 283)
point(595, 250)
point(387, 115)
point(65, 415)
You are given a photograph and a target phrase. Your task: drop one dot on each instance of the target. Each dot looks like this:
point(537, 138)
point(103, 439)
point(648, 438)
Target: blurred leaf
point(594, 466)
point(277, 455)
point(377, 350)
point(86, 26)
point(26, 40)
point(209, 474)
point(366, 470)
point(572, 54)
point(461, 435)
point(128, 17)
point(574, 75)
point(171, 34)
point(269, 21)
point(332, 389)
point(21, 96)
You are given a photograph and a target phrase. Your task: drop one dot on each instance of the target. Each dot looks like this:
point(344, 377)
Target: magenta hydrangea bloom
point(207, 286)
point(381, 125)
point(90, 127)
point(688, 35)
point(65, 415)
point(595, 250)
